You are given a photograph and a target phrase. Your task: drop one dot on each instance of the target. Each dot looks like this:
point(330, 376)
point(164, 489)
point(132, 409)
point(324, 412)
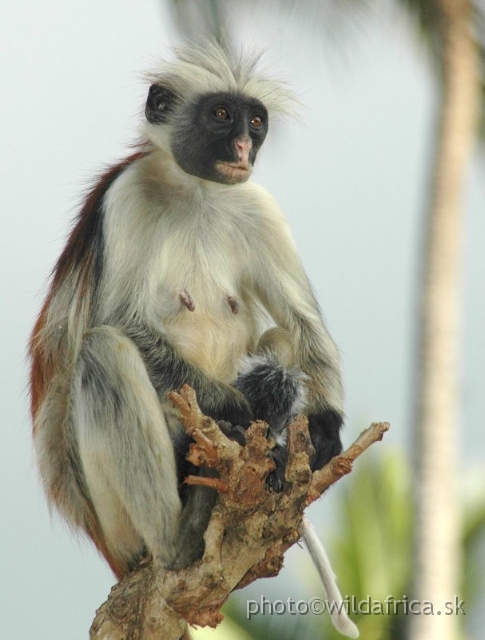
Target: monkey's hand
point(169, 371)
point(228, 406)
point(324, 427)
point(275, 394)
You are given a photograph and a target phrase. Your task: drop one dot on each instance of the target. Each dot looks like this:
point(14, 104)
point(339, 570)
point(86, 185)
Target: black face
point(216, 138)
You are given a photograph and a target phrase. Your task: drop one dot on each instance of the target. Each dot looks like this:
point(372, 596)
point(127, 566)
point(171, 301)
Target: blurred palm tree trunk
point(437, 546)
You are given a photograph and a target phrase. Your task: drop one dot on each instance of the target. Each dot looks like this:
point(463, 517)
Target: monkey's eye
point(221, 113)
point(256, 121)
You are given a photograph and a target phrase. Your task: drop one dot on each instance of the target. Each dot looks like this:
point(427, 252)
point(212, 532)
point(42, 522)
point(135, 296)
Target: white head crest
point(205, 67)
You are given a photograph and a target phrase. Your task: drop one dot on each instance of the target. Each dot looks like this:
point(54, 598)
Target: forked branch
point(151, 602)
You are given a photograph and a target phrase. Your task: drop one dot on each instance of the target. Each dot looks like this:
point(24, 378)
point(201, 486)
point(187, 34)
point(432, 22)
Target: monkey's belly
point(213, 343)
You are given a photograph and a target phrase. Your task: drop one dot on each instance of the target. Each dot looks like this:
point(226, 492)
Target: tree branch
point(249, 532)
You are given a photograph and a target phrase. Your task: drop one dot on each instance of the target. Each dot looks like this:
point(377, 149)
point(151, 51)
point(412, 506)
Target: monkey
point(178, 269)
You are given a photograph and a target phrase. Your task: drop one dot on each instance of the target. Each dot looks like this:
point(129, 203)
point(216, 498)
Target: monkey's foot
point(233, 432)
point(276, 479)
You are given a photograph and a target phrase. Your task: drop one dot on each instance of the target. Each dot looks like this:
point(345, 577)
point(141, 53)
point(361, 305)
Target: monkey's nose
point(243, 147)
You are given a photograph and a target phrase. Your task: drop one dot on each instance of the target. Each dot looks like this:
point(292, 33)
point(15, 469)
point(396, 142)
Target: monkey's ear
point(160, 102)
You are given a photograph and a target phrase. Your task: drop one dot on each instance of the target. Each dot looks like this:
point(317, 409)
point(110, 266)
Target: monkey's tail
point(335, 603)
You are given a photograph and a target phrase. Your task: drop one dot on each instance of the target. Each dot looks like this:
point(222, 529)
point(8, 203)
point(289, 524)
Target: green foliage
point(229, 630)
point(425, 15)
point(370, 557)
point(473, 535)
point(372, 554)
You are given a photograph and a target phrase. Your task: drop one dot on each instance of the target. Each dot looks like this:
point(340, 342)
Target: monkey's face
point(216, 137)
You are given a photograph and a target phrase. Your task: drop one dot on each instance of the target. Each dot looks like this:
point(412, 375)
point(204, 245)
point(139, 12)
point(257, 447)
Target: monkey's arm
point(168, 371)
point(285, 292)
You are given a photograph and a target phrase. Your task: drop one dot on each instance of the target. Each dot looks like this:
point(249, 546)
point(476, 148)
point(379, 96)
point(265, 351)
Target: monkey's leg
point(125, 448)
point(198, 501)
point(193, 522)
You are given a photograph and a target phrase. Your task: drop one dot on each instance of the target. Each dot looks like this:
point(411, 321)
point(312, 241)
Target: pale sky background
point(350, 179)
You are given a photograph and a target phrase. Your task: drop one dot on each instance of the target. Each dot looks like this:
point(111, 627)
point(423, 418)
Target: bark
point(248, 534)
point(437, 551)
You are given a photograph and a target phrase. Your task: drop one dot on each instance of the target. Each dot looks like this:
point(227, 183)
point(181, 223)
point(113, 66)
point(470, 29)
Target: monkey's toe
point(276, 479)
point(233, 432)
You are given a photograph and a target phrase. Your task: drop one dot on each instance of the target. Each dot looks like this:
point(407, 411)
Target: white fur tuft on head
point(204, 66)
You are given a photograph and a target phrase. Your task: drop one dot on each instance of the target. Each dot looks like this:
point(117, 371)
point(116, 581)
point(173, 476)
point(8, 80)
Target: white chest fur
point(183, 260)
point(203, 303)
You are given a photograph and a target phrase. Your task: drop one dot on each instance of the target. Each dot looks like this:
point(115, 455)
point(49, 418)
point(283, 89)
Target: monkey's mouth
point(234, 171)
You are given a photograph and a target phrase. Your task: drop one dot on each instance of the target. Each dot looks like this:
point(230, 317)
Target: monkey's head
point(215, 137)
point(211, 112)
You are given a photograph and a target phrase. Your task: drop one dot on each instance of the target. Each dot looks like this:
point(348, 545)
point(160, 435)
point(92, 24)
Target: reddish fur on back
point(77, 255)
point(76, 252)
point(40, 371)
point(78, 258)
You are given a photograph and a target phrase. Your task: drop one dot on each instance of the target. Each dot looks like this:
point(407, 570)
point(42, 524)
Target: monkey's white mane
point(204, 66)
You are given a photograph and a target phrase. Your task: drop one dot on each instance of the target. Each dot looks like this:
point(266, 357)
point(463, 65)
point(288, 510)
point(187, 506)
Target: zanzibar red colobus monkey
point(178, 270)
